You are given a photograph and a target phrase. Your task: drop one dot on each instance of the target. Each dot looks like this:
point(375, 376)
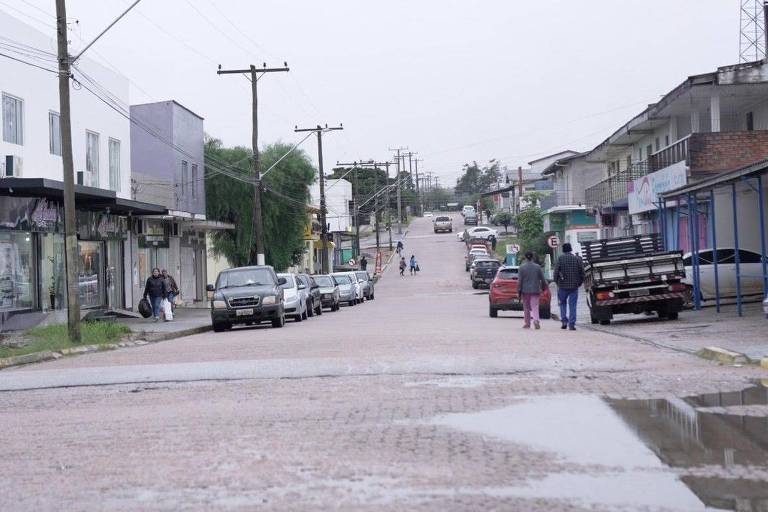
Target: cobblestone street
point(414, 401)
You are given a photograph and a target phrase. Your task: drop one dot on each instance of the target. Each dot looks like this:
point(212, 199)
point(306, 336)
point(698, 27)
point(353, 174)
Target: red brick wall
point(725, 151)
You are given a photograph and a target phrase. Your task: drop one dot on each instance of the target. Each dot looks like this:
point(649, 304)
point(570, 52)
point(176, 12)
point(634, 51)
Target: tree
point(506, 219)
point(284, 202)
point(530, 231)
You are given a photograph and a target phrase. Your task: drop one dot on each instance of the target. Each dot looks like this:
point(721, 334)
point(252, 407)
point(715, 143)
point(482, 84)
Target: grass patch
point(54, 337)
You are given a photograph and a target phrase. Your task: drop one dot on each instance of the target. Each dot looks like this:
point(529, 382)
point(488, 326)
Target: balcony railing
point(615, 187)
point(677, 152)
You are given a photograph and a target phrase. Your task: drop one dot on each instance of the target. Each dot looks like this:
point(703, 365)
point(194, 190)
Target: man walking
point(530, 284)
point(569, 274)
point(363, 263)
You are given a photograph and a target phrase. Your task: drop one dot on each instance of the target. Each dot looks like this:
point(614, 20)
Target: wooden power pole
point(254, 73)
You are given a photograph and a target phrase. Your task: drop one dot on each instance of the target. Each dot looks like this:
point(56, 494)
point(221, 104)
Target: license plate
point(488, 280)
point(639, 293)
point(244, 312)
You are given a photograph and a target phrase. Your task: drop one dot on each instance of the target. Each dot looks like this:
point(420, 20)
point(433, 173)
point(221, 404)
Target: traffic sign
point(553, 241)
point(513, 248)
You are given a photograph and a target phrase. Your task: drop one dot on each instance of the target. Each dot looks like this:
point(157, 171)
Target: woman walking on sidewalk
point(155, 291)
point(530, 284)
point(414, 265)
point(402, 266)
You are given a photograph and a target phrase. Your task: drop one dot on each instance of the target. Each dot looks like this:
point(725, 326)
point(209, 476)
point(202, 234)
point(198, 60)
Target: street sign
point(513, 248)
point(553, 241)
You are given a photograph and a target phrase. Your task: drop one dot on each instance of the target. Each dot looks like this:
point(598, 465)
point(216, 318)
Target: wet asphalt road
point(417, 400)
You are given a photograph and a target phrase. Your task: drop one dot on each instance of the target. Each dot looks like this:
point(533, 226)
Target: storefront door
point(92, 280)
point(115, 284)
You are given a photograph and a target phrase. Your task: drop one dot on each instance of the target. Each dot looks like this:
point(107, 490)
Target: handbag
point(417, 268)
point(167, 310)
point(145, 308)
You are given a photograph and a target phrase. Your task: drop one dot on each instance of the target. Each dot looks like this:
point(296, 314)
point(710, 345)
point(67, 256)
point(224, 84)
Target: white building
point(32, 273)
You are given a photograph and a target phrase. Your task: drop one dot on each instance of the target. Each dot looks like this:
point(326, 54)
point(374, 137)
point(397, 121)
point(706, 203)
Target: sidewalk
point(693, 331)
point(186, 321)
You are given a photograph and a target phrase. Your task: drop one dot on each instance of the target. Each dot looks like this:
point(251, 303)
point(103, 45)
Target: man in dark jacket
point(363, 263)
point(155, 291)
point(569, 274)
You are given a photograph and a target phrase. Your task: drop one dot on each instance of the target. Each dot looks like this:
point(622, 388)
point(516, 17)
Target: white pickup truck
point(632, 275)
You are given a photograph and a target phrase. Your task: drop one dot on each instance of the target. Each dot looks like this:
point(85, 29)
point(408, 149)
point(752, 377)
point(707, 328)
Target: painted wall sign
point(644, 192)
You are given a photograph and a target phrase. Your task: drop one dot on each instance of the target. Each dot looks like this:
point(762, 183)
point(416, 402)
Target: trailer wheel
point(672, 315)
point(594, 320)
point(605, 322)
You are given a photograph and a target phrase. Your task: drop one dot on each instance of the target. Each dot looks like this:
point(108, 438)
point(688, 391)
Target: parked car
point(472, 254)
point(367, 283)
point(313, 296)
point(295, 299)
point(247, 295)
point(470, 218)
point(329, 292)
point(503, 296)
point(347, 288)
point(750, 269)
point(442, 223)
point(484, 271)
point(482, 232)
point(428, 214)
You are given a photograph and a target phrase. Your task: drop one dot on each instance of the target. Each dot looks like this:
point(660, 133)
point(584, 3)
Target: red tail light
point(677, 287)
point(604, 295)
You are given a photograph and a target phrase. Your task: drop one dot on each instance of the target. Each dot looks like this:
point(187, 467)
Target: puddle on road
point(691, 453)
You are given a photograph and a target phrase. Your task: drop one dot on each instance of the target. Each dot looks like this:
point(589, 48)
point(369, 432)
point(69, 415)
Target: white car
point(482, 232)
point(467, 209)
point(295, 303)
point(428, 214)
point(750, 269)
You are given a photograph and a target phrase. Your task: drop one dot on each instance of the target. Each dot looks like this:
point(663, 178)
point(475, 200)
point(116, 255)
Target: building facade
point(32, 276)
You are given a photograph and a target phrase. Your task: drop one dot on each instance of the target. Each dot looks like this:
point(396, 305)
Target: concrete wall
point(38, 90)
point(158, 162)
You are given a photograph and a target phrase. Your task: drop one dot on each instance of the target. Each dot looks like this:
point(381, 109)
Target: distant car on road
point(347, 288)
point(295, 299)
point(247, 295)
point(442, 223)
point(470, 218)
point(428, 214)
point(503, 294)
point(482, 232)
point(467, 209)
point(329, 292)
point(483, 271)
point(365, 280)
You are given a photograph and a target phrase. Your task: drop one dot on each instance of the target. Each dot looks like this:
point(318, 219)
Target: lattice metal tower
point(752, 41)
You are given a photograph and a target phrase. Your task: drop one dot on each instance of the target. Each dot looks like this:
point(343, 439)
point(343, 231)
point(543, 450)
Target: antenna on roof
point(752, 41)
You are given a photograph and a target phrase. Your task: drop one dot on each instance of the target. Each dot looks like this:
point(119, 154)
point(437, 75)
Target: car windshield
point(245, 277)
point(289, 281)
point(487, 263)
point(363, 276)
point(342, 279)
point(324, 281)
point(442, 219)
point(507, 273)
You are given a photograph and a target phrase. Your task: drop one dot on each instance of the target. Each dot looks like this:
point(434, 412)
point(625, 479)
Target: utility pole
point(258, 223)
point(519, 187)
point(71, 252)
point(323, 210)
point(397, 182)
point(418, 187)
point(386, 211)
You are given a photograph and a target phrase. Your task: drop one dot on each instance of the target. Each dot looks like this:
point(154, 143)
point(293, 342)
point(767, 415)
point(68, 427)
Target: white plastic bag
point(167, 311)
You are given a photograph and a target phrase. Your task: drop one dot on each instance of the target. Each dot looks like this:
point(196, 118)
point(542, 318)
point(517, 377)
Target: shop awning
point(86, 198)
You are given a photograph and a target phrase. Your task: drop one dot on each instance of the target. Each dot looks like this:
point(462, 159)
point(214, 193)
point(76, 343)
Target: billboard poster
point(644, 192)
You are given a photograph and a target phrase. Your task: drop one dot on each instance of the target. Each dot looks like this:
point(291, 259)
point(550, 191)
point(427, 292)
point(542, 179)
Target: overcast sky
point(453, 80)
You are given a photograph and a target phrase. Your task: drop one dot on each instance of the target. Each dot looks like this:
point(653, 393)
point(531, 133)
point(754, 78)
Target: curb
point(722, 355)
point(140, 338)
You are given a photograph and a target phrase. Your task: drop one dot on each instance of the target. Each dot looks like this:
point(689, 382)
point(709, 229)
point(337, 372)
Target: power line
point(29, 63)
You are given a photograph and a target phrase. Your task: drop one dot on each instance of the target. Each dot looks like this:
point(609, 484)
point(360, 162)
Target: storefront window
point(91, 274)
point(17, 287)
